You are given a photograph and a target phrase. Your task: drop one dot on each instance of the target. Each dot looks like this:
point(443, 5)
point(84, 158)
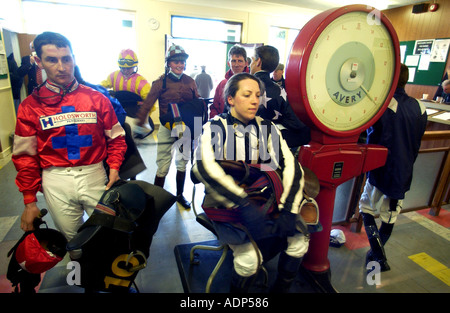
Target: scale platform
point(194, 277)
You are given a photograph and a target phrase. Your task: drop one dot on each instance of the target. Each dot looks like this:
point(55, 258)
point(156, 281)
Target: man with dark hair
point(400, 130)
point(275, 106)
point(237, 60)
point(49, 38)
point(63, 134)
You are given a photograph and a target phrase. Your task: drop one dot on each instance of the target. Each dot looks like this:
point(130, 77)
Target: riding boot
point(240, 284)
point(386, 228)
point(159, 181)
point(181, 177)
point(385, 232)
point(287, 271)
point(376, 252)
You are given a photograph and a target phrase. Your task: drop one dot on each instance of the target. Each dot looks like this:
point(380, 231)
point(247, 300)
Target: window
point(206, 29)
point(207, 42)
point(96, 46)
point(282, 39)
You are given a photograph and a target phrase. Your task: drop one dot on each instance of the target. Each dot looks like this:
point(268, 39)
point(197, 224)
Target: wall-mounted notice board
point(3, 59)
point(426, 60)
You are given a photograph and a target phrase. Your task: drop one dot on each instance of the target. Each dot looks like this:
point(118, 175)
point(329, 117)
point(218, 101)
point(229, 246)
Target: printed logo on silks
point(64, 119)
point(70, 119)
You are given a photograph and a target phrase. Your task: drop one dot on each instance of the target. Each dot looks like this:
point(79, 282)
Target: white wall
point(256, 17)
point(7, 112)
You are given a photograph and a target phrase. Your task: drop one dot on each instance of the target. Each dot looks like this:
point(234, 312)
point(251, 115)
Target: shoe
point(184, 203)
point(384, 266)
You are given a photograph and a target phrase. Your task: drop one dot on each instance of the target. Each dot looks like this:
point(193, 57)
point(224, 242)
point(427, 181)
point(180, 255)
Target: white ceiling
point(329, 4)
point(318, 5)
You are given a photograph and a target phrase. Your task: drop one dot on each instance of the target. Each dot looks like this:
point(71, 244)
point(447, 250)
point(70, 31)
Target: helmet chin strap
point(128, 76)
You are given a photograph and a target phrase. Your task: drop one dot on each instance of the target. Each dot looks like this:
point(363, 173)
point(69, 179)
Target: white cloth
point(72, 191)
point(373, 201)
point(245, 259)
point(164, 152)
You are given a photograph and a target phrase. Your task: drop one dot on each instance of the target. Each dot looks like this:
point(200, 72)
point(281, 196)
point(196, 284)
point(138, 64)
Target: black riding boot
point(386, 228)
point(181, 177)
point(385, 232)
point(376, 252)
point(240, 284)
point(287, 271)
point(159, 181)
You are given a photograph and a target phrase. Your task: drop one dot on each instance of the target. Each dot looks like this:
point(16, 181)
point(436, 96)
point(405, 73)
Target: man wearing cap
point(171, 87)
point(127, 78)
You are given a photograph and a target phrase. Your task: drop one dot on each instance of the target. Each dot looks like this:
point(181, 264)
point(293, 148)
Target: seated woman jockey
point(240, 135)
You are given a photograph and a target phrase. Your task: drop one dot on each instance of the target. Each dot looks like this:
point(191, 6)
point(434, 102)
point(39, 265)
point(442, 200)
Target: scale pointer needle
point(368, 95)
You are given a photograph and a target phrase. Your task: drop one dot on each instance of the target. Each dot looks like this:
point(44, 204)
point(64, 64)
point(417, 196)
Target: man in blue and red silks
point(64, 133)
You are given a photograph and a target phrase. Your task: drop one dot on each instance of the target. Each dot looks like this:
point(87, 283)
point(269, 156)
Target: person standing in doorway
point(204, 83)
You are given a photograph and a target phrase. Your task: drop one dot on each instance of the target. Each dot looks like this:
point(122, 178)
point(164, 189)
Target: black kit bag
point(115, 240)
point(185, 114)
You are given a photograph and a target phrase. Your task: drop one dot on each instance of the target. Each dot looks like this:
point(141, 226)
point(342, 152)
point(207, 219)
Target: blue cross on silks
point(72, 141)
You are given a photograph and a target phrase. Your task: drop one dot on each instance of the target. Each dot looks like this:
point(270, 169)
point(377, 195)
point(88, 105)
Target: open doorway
point(211, 54)
point(207, 42)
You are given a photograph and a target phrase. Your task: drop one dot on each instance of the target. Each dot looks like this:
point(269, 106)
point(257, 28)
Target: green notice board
point(426, 60)
point(3, 59)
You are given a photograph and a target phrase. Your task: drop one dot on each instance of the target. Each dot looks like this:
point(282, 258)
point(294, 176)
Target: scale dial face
point(346, 71)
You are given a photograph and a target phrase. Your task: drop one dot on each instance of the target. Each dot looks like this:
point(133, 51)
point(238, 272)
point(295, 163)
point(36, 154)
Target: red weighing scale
point(340, 77)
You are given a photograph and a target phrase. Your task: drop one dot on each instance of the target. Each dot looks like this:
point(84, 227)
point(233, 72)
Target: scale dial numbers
point(358, 74)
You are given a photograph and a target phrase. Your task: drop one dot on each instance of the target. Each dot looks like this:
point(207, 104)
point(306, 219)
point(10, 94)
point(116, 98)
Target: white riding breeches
point(373, 201)
point(245, 258)
point(72, 191)
point(164, 152)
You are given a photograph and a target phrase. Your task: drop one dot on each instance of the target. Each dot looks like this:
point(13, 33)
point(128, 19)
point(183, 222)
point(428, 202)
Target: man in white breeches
point(70, 192)
point(64, 135)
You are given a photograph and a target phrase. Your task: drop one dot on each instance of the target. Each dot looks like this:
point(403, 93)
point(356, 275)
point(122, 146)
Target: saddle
point(115, 240)
point(264, 189)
